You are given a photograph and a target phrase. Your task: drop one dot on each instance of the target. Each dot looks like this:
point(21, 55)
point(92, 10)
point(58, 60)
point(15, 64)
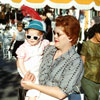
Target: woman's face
point(33, 36)
point(61, 39)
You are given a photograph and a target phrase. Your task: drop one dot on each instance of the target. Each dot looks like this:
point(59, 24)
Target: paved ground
point(9, 79)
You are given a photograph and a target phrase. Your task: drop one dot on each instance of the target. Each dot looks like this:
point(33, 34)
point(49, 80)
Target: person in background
point(90, 54)
point(88, 35)
point(47, 22)
point(18, 38)
point(29, 54)
point(95, 20)
point(61, 69)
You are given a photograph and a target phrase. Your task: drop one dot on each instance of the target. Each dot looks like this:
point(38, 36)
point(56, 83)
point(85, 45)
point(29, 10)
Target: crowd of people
point(48, 62)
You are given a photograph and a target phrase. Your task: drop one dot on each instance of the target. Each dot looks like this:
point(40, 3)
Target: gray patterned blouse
point(64, 72)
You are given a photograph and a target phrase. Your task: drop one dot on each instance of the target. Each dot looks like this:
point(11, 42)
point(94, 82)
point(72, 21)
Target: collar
point(69, 53)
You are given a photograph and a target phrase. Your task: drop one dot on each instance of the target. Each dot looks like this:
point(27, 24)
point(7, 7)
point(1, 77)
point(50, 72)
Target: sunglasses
point(58, 34)
point(32, 37)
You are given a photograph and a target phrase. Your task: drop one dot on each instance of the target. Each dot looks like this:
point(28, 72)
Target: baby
point(29, 54)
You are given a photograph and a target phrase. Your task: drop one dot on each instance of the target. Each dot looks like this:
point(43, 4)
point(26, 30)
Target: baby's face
point(33, 36)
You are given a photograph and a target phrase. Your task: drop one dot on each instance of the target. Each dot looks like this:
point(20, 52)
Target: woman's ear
point(70, 40)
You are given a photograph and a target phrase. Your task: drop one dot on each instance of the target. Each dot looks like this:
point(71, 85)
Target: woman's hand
point(26, 84)
point(28, 80)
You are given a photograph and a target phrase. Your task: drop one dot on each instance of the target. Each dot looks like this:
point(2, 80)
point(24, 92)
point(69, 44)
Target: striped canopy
point(62, 4)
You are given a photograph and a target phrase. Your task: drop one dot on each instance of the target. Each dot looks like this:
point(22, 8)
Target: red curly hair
point(71, 27)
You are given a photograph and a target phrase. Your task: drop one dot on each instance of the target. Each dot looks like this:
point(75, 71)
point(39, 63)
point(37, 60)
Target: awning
point(60, 4)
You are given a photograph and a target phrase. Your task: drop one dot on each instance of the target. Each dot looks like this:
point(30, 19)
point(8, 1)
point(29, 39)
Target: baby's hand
point(29, 77)
point(52, 43)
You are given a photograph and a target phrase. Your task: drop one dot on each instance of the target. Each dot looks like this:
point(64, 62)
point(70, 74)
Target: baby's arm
point(20, 65)
point(52, 43)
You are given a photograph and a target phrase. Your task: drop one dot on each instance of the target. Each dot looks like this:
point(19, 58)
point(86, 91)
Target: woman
point(90, 54)
point(62, 68)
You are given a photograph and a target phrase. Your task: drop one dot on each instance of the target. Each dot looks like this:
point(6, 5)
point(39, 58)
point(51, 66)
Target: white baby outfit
point(32, 56)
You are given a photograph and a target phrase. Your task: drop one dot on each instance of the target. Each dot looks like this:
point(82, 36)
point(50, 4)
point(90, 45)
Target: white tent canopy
point(62, 4)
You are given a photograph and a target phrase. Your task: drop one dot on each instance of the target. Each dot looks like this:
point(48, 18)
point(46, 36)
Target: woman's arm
point(49, 90)
point(83, 58)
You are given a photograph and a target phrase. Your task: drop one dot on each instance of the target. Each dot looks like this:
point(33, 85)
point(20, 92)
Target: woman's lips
point(56, 41)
